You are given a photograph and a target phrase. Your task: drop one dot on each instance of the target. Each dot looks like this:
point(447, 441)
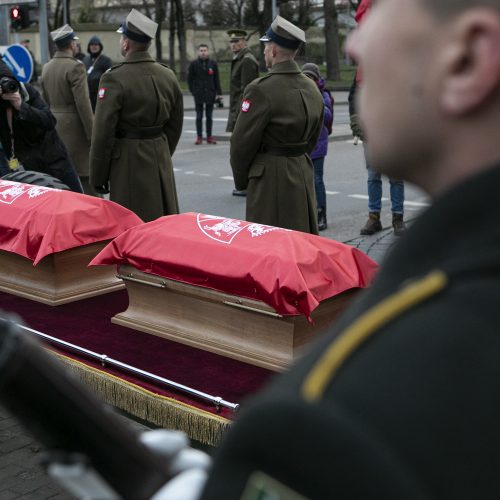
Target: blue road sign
point(20, 61)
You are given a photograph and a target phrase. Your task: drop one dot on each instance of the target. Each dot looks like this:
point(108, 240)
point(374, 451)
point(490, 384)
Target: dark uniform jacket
point(401, 399)
point(36, 143)
point(95, 67)
point(64, 85)
point(138, 124)
point(283, 110)
point(244, 69)
point(203, 80)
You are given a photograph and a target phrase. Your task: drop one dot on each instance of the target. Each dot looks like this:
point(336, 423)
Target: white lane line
point(177, 169)
point(213, 119)
point(416, 204)
point(190, 172)
point(227, 178)
point(332, 192)
point(363, 197)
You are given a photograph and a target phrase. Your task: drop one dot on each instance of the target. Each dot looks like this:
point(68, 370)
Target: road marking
point(189, 172)
point(227, 178)
point(363, 197)
point(416, 204)
point(332, 192)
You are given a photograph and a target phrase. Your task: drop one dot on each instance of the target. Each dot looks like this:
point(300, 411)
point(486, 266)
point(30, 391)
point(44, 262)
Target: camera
point(8, 85)
point(219, 102)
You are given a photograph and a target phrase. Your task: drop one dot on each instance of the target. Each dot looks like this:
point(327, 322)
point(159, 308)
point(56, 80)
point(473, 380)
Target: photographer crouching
point(27, 132)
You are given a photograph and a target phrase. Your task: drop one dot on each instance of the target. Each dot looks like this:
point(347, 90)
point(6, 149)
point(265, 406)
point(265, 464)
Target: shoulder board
point(115, 66)
point(260, 79)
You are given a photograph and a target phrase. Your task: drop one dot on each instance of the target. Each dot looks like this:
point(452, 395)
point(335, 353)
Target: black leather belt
point(289, 150)
point(139, 133)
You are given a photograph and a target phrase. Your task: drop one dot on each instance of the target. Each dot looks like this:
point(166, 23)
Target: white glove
point(190, 466)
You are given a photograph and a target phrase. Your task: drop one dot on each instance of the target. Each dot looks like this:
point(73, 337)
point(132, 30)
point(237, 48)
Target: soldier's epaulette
point(262, 78)
point(364, 327)
point(164, 64)
point(115, 66)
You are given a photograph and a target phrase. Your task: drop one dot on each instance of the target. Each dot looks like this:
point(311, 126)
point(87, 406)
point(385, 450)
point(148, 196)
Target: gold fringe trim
point(159, 410)
point(365, 326)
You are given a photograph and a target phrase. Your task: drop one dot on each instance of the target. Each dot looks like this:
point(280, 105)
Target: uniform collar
point(286, 67)
point(140, 56)
point(241, 53)
point(62, 53)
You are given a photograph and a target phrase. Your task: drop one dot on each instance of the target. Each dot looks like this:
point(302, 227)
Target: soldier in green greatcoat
point(138, 123)
point(280, 119)
point(244, 69)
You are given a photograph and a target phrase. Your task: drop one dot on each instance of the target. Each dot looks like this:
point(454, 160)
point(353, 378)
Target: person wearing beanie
point(96, 63)
point(321, 148)
point(27, 132)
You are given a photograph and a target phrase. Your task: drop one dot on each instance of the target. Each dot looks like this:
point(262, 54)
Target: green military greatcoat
point(138, 97)
point(281, 111)
point(65, 89)
point(244, 69)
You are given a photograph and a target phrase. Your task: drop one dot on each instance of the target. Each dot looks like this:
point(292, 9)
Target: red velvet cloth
point(290, 271)
point(87, 323)
point(36, 221)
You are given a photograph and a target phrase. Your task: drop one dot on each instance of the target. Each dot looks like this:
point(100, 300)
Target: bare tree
point(181, 36)
point(160, 14)
point(332, 45)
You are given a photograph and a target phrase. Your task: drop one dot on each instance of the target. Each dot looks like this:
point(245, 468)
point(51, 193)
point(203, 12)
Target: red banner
point(290, 271)
point(36, 221)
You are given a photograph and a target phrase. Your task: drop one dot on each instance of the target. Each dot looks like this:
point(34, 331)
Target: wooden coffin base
point(58, 278)
point(243, 329)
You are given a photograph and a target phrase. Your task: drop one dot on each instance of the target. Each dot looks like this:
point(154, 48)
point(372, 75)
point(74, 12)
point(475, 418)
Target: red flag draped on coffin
point(290, 271)
point(36, 221)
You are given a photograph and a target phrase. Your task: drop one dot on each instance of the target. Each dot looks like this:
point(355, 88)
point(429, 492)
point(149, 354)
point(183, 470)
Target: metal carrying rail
point(217, 401)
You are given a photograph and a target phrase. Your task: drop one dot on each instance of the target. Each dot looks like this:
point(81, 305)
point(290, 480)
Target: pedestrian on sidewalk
point(204, 84)
point(96, 64)
point(311, 70)
point(397, 188)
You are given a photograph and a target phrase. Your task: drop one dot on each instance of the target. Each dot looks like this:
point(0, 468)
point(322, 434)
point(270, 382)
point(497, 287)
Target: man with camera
point(27, 131)
point(204, 84)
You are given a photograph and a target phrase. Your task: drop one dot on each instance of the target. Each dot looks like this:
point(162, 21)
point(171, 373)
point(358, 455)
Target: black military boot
point(322, 219)
point(373, 224)
point(398, 224)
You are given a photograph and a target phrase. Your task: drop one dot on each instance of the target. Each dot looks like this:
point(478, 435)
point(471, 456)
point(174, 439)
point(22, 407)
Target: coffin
point(49, 236)
point(58, 278)
point(239, 328)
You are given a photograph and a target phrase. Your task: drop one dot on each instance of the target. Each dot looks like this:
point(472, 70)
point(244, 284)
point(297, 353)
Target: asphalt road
point(204, 180)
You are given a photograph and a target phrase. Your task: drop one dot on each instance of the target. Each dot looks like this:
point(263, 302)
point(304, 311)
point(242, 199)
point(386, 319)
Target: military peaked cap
point(284, 33)
point(63, 34)
point(237, 34)
point(138, 27)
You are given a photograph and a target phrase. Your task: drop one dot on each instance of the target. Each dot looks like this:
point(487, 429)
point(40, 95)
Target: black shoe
point(322, 225)
point(373, 224)
point(242, 192)
point(398, 224)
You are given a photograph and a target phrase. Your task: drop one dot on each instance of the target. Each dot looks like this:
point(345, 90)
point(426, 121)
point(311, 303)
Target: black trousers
point(209, 108)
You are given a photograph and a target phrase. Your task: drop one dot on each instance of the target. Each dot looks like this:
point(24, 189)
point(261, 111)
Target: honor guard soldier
point(244, 69)
point(280, 120)
point(138, 123)
point(64, 86)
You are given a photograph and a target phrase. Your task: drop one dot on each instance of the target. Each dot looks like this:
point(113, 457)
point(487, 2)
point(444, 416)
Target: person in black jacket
point(96, 63)
point(27, 132)
point(204, 84)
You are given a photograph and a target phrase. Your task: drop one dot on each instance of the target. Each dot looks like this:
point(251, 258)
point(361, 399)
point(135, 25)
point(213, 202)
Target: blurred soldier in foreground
point(400, 400)
point(138, 124)
point(278, 126)
point(64, 85)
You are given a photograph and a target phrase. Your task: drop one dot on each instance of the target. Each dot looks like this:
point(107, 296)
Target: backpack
point(329, 125)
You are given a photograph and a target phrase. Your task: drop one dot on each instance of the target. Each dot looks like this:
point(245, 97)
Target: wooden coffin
point(244, 329)
point(58, 278)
